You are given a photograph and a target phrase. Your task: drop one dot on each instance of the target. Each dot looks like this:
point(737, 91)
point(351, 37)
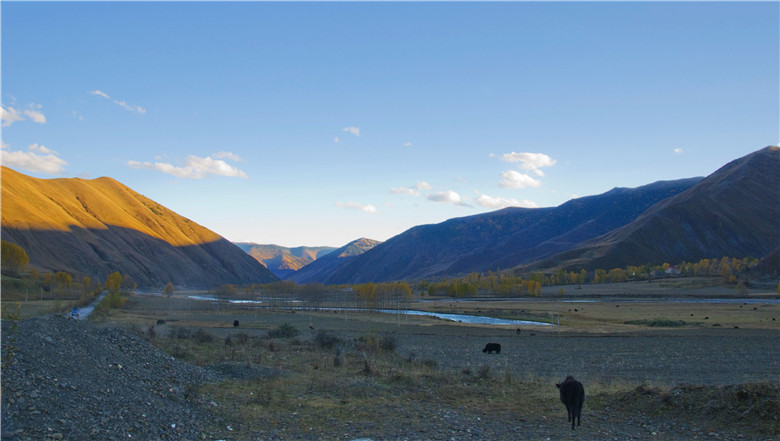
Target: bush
point(182, 333)
point(658, 323)
point(285, 330)
point(202, 336)
point(111, 301)
point(326, 340)
point(375, 343)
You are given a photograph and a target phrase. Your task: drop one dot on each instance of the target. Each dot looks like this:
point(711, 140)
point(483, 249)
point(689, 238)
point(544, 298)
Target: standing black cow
point(572, 396)
point(492, 347)
point(235, 323)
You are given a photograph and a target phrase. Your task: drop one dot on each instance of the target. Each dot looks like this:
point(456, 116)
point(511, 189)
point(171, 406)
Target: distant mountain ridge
point(502, 239)
point(95, 227)
point(321, 268)
point(734, 212)
point(283, 261)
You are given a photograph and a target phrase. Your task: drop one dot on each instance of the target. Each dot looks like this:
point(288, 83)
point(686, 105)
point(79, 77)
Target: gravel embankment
point(73, 380)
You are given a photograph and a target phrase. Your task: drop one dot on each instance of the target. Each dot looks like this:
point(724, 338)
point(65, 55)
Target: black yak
point(491, 347)
point(572, 396)
point(235, 323)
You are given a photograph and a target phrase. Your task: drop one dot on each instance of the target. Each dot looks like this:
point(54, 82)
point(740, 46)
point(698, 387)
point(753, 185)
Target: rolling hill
point(734, 212)
point(283, 261)
point(502, 239)
point(95, 227)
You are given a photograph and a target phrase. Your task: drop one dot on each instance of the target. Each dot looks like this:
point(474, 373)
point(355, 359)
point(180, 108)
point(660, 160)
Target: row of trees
point(15, 260)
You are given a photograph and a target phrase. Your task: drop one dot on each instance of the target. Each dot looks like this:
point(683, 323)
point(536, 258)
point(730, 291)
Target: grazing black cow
point(492, 347)
point(572, 396)
point(235, 323)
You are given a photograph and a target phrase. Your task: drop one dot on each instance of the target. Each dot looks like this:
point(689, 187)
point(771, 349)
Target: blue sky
point(320, 123)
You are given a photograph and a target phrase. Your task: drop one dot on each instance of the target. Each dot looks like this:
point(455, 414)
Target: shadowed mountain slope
point(734, 212)
point(283, 261)
point(95, 227)
point(321, 268)
point(502, 239)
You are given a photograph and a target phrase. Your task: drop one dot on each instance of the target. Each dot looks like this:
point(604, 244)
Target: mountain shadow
point(734, 212)
point(150, 261)
point(502, 239)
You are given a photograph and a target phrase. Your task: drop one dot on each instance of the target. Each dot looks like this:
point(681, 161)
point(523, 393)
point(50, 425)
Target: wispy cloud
point(37, 158)
point(353, 130)
point(194, 168)
point(447, 196)
point(122, 104)
point(34, 113)
point(515, 179)
point(495, 203)
point(368, 208)
point(530, 161)
point(228, 155)
point(10, 115)
point(678, 151)
point(99, 93)
point(411, 191)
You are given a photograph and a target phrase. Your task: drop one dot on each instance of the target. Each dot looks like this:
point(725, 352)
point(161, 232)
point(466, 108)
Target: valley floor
point(383, 377)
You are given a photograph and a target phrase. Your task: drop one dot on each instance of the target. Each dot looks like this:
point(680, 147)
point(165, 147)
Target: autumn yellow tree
point(14, 258)
point(113, 282)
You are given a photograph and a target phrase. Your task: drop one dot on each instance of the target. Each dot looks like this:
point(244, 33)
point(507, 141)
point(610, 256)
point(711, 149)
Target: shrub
point(375, 343)
point(285, 330)
point(202, 336)
point(484, 372)
point(182, 333)
point(326, 340)
point(658, 323)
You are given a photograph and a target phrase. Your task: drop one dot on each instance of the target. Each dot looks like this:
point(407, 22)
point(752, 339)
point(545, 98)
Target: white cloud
point(9, 115)
point(36, 159)
point(678, 151)
point(36, 116)
point(422, 185)
point(447, 196)
point(407, 144)
point(99, 93)
point(228, 155)
point(353, 130)
point(530, 161)
point(368, 208)
point(404, 190)
point(134, 109)
point(122, 104)
point(496, 203)
point(194, 168)
point(336, 139)
point(514, 179)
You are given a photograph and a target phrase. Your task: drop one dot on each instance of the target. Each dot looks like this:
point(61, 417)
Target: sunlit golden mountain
point(94, 227)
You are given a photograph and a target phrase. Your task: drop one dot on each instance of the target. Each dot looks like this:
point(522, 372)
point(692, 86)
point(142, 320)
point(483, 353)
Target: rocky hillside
point(96, 227)
point(321, 269)
point(733, 212)
point(283, 261)
point(502, 239)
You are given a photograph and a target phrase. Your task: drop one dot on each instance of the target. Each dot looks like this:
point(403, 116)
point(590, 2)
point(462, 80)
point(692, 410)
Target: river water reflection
point(461, 318)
